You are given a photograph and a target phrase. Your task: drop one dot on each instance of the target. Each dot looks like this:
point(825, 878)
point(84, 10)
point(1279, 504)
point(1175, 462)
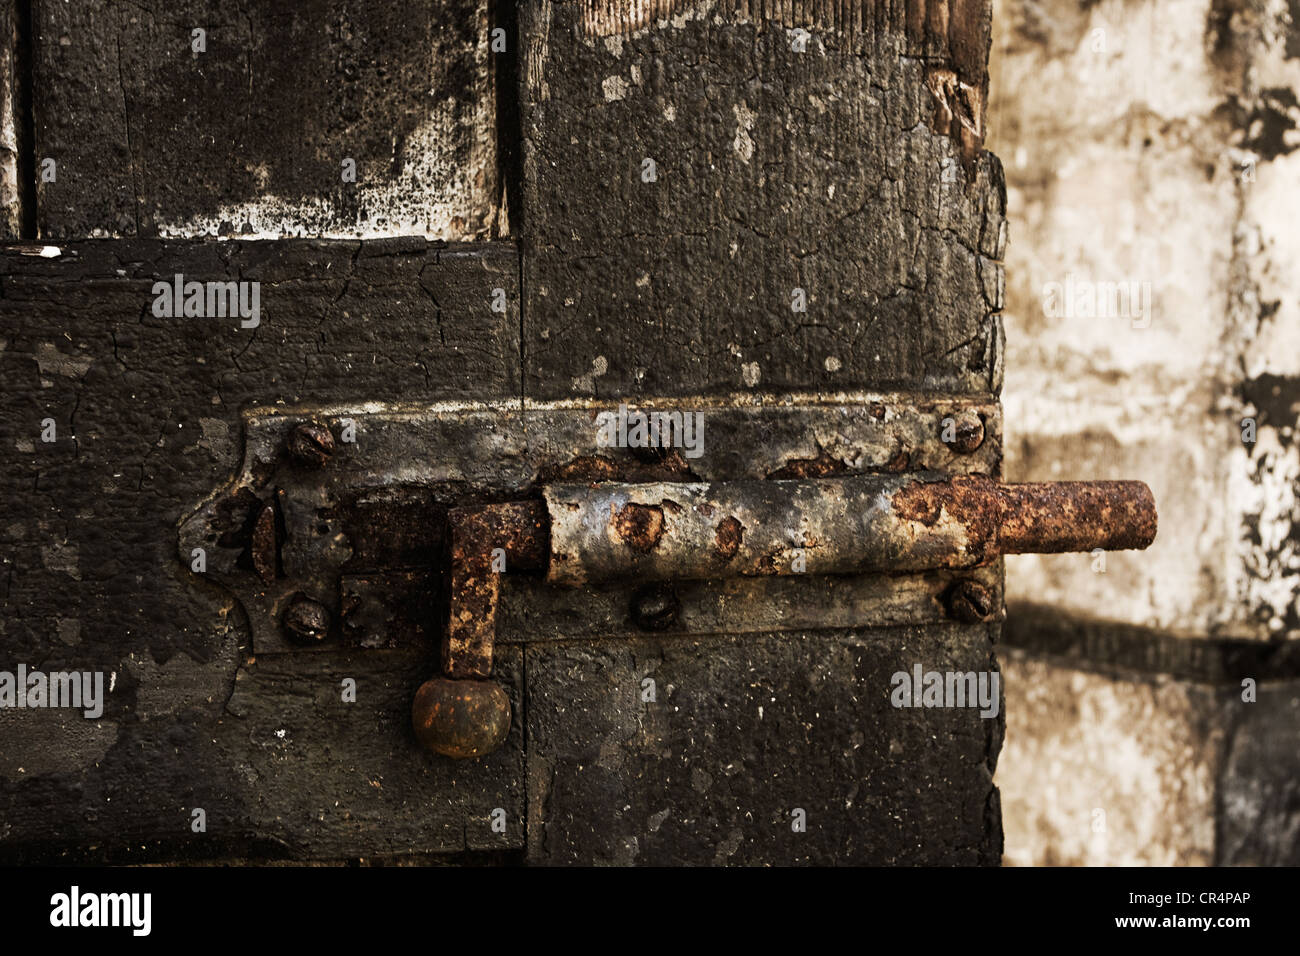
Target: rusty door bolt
point(311, 444)
point(971, 603)
point(306, 621)
point(967, 432)
point(656, 608)
point(680, 531)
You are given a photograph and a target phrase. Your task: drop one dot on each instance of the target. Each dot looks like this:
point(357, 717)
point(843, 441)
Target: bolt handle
point(462, 713)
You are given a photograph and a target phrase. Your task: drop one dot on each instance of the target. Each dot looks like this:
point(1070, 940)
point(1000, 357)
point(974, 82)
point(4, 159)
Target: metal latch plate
point(364, 533)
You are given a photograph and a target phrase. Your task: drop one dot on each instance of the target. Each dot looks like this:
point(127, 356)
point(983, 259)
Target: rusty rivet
point(971, 602)
point(967, 432)
point(311, 444)
point(306, 621)
point(655, 607)
point(460, 718)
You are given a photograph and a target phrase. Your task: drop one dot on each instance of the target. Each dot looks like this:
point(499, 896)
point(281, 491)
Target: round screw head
point(971, 603)
point(311, 444)
point(656, 607)
point(967, 433)
point(306, 621)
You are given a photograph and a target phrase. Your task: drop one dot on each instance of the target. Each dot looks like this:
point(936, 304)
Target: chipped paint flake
point(615, 88)
point(743, 144)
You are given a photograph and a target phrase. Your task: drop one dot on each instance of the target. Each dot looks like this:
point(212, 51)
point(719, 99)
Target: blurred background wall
point(1153, 332)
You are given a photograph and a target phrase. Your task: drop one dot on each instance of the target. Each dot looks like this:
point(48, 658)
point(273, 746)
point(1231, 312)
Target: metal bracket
point(327, 541)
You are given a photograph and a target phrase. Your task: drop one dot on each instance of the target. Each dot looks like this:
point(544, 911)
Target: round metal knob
point(460, 718)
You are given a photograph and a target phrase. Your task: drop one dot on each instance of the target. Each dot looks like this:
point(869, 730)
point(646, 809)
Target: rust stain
point(1056, 516)
point(311, 444)
point(521, 530)
point(640, 526)
point(595, 468)
point(468, 716)
point(586, 468)
point(460, 718)
point(263, 545)
point(728, 537)
point(1037, 518)
point(971, 602)
point(970, 501)
point(968, 432)
point(822, 466)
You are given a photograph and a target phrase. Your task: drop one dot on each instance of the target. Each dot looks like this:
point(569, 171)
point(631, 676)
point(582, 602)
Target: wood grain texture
point(957, 31)
point(775, 170)
point(742, 732)
point(841, 170)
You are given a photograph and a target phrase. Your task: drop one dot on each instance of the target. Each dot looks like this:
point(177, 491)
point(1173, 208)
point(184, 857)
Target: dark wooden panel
point(745, 730)
point(835, 170)
point(147, 412)
point(282, 767)
point(850, 169)
point(152, 138)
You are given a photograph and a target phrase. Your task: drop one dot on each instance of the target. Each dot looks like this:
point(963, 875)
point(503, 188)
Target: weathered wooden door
point(253, 358)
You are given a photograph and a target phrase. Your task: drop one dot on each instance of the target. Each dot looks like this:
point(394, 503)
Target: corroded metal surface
point(460, 718)
point(968, 432)
point(311, 444)
point(516, 531)
point(463, 714)
point(306, 621)
point(530, 611)
point(1053, 516)
point(681, 531)
point(870, 523)
point(793, 503)
point(381, 501)
point(970, 602)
